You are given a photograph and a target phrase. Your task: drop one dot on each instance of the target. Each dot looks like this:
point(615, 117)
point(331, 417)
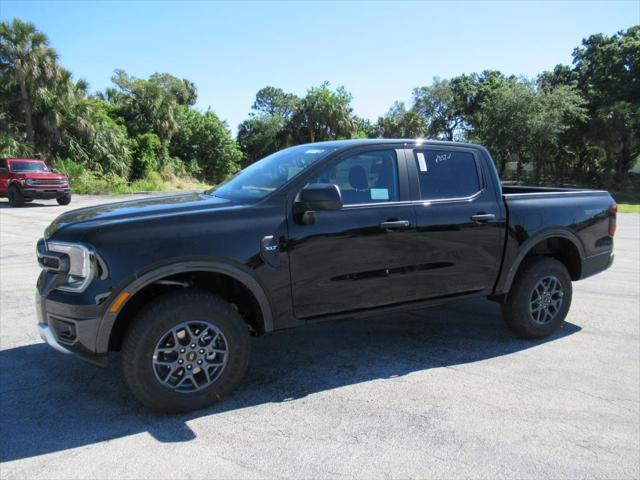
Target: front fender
point(152, 274)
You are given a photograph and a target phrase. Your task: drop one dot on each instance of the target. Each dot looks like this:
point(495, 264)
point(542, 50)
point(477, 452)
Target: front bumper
point(70, 328)
point(47, 335)
point(45, 193)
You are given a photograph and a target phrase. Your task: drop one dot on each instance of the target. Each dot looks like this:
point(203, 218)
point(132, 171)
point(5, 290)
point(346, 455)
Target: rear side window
point(446, 174)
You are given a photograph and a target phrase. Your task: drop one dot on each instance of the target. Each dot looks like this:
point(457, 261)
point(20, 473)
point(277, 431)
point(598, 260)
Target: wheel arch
point(116, 323)
point(561, 244)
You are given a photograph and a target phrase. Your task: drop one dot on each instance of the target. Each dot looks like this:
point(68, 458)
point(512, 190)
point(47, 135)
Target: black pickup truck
point(310, 233)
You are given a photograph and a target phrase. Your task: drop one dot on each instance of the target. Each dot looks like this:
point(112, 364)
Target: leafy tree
point(323, 114)
point(28, 66)
point(560, 109)
point(608, 74)
point(184, 91)
point(145, 106)
point(399, 122)
point(363, 128)
point(504, 122)
point(262, 135)
point(439, 107)
point(206, 140)
point(605, 70)
point(275, 101)
point(106, 146)
point(266, 129)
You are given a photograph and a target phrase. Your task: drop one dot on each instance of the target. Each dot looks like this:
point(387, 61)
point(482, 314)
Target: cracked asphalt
point(446, 392)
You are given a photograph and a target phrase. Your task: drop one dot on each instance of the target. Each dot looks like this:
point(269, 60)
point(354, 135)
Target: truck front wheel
point(185, 351)
point(15, 196)
point(539, 299)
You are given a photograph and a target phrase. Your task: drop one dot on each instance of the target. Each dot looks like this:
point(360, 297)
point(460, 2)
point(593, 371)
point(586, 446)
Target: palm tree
point(25, 52)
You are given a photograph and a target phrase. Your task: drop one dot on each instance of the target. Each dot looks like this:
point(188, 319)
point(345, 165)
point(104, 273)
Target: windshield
point(28, 166)
point(267, 175)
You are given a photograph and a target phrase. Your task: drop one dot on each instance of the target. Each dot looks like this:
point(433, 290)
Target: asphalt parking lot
point(446, 392)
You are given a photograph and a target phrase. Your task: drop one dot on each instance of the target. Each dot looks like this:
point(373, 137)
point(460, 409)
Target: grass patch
point(628, 202)
point(626, 208)
point(87, 182)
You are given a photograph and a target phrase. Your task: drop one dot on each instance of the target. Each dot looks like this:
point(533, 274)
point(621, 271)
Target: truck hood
point(137, 209)
point(40, 175)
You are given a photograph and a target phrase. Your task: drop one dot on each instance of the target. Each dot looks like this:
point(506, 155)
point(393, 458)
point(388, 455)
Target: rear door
point(360, 256)
point(460, 226)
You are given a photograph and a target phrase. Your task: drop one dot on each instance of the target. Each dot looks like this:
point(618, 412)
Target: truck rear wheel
point(15, 197)
point(539, 299)
point(185, 351)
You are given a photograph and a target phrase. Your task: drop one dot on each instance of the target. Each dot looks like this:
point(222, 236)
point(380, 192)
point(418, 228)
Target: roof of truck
point(382, 141)
point(24, 159)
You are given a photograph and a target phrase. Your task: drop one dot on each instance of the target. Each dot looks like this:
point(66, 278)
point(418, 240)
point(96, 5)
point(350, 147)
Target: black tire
point(537, 314)
point(154, 322)
point(64, 200)
point(15, 196)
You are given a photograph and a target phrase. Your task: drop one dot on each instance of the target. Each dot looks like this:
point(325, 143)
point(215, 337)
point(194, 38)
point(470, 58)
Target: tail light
point(613, 211)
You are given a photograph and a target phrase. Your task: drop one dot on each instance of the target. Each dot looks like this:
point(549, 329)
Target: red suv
point(23, 179)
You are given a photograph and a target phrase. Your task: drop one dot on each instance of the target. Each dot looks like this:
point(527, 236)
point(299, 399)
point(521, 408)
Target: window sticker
point(379, 194)
point(443, 157)
point(422, 162)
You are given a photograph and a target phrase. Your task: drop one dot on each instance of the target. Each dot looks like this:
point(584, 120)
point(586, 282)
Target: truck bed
point(524, 190)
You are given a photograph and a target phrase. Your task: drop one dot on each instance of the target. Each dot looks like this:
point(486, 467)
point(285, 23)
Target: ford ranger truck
point(25, 179)
point(312, 233)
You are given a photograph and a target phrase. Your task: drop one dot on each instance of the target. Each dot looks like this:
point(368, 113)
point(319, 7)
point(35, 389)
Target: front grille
point(48, 181)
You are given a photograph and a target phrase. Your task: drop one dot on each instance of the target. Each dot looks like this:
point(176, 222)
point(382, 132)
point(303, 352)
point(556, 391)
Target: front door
point(4, 177)
point(357, 257)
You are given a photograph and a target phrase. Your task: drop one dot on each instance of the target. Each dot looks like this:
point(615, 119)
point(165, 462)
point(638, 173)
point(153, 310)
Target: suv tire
point(15, 196)
point(64, 200)
point(186, 329)
point(539, 299)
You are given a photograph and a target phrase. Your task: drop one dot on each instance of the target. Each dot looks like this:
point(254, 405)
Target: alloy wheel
point(190, 356)
point(546, 300)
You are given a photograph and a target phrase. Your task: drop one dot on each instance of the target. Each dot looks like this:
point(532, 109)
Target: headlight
point(30, 181)
point(81, 266)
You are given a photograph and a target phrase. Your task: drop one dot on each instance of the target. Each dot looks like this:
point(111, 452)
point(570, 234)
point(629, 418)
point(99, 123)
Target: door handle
point(483, 217)
point(395, 224)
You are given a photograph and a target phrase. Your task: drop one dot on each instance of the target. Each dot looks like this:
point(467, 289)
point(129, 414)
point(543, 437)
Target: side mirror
point(320, 196)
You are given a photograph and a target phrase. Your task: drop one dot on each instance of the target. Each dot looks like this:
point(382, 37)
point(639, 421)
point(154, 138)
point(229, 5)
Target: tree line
point(575, 124)
point(131, 129)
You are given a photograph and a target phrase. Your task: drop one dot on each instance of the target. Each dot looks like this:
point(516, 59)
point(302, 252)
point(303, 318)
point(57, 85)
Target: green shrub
point(149, 153)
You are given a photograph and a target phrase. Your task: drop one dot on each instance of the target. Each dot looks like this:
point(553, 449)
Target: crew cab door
point(460, 221)
point(356, 257)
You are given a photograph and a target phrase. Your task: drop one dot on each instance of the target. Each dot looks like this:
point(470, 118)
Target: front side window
point(368, 177)
point(267, 175)
point(446, 174)
point(28, 166)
